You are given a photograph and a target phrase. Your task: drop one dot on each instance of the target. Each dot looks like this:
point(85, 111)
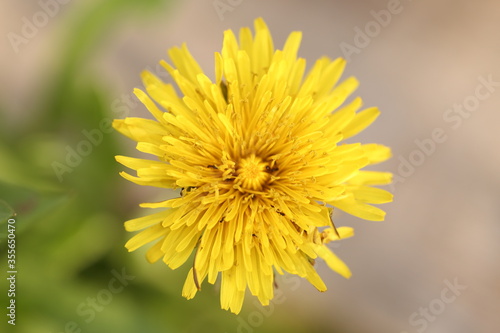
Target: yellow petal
point(371, 178)
point(148, 220)
point(330, 234)
point(334, 262)
point(376, 153)
point(362, 120)
point(359, 209)
point(370, 194)
point(145, 237)
point(185, 63)
point(292, 45)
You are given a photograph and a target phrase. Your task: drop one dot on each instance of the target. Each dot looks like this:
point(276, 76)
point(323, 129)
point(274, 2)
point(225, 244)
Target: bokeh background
point(64, 79)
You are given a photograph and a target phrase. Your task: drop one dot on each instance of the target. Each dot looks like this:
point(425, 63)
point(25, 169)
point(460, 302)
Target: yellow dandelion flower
point(259, 158)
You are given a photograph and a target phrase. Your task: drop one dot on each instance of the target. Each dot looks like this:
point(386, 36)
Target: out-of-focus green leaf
point(20, 173)
point(43, 208)
point(6, 212)
point(98, 229)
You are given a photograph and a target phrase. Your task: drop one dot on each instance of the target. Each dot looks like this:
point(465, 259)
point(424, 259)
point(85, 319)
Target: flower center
point(252, 173)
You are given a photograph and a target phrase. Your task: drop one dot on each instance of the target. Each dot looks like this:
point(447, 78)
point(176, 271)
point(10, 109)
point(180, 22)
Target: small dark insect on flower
point(223, 88)
point(186, 190)
point(269, 169)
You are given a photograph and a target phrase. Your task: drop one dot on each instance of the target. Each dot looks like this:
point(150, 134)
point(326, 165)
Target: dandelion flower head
point(259, 159)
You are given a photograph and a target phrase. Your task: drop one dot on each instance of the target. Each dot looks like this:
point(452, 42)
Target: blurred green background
point(64, 79)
